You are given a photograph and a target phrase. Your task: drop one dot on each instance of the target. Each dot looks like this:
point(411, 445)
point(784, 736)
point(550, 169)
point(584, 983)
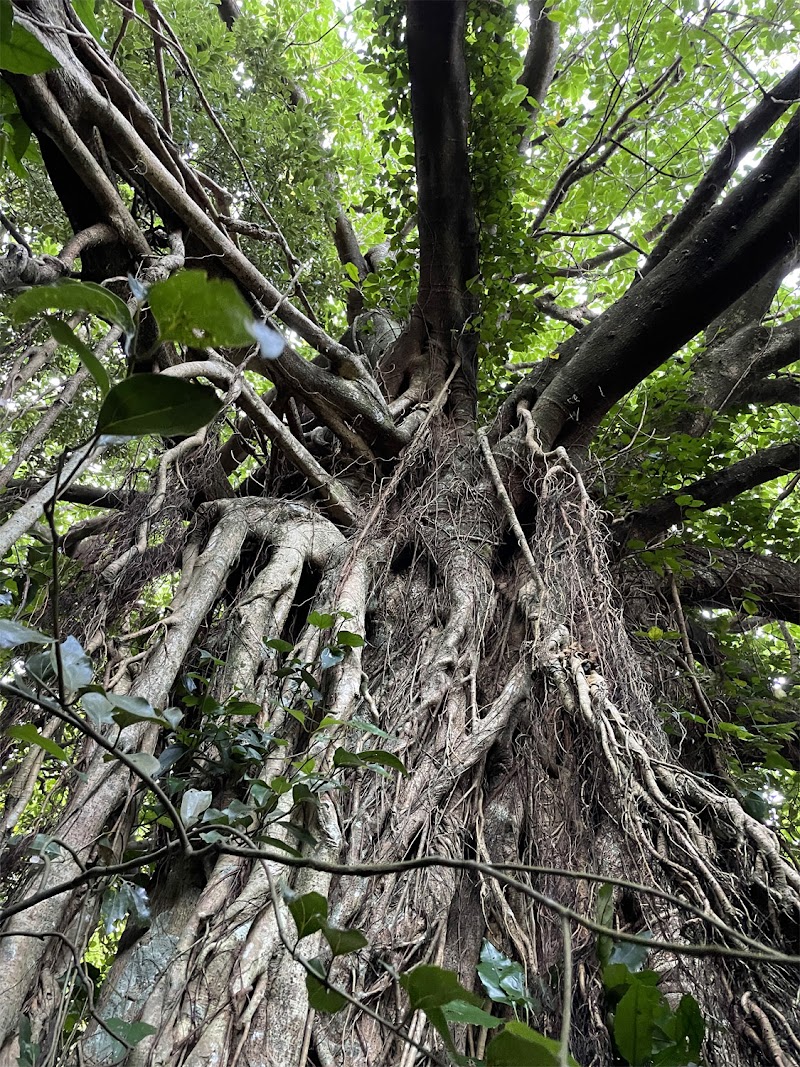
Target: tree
point(418, 683)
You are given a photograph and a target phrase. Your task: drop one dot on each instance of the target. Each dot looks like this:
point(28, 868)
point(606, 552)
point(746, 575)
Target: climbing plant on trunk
point(399, 537)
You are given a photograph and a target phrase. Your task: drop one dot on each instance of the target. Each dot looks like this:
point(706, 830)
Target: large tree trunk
point(501, 661)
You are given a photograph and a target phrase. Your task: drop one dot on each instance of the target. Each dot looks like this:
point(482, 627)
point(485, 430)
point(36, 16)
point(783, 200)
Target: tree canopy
point(399, 532)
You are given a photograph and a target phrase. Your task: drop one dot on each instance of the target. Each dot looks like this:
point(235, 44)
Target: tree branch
point(540, 61)
point(750, 231)
point(734, 372)
point(723, 577)
point(718, 488)
point(448, 230)
point(743, 138)
point(785, 389)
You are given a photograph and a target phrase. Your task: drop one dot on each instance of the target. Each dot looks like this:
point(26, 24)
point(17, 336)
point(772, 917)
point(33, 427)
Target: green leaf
point(352, 271)
point(429, 989)
point(604, 915)
point(349, 640)
point(71, 295)
point(65, 336)
point(517, 1045)
point(330, 657)
point(21, 53)
point(85, 12)
point(459, 1011)
point(75, 665)
point(157, 404)
point(130, 709)
point(193, 803)
point(13, 634)
point(688, 1030)
point(279, 645)
point(98, 708)
point(28, 733)
point(368, 758)
point(6, 18)
point(121, 900)
point(192, 309)
point(433, 987)
point(501, 977)
point(28, 1048)
point(633, 1022)
point(617, 978)
point(629, 953)
point(309, 911)
point(133, 1033)
point(145, 762)
point(321, 620)
point(342, 940)
point(321, 998)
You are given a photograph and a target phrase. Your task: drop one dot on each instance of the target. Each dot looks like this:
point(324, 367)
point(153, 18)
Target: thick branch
point(735, 245)
point(93, 496)
point(734, 372)
point(719, 488)
point(440, 111)
point(785, 389)
point(540, 60)
point(722, 578)
point(743, 138)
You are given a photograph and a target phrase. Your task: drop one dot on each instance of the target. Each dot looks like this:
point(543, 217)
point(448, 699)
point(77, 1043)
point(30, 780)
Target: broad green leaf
point(156, 404)
point(145, 762)
point(617, 978)
point(330, 657)
point(75, 664)
point(349, 640)
point(279, 645)
point(429, 989)
point(343, 941)
point(501, 977)
point(13, 634)
point(6, 18)
point(275, 842)
point(85, 12)
point(517, 1045)
point(132, 1033)
point(122, 900)
point(65, 336)
point(21, 53)
point(633, 1022)
point(98, 708)
point(71, 295)
point(28, 1048)
point(629, 953)
point(604, 915)
point(689, 1031)
point(309, 911)
point(28, 732)
point(193, 803)
point(321, 998)
point(433, 987)
point(322, 620)
point(459, 1011)
point(192, 309)
point(16, 144)
point(368, 758)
